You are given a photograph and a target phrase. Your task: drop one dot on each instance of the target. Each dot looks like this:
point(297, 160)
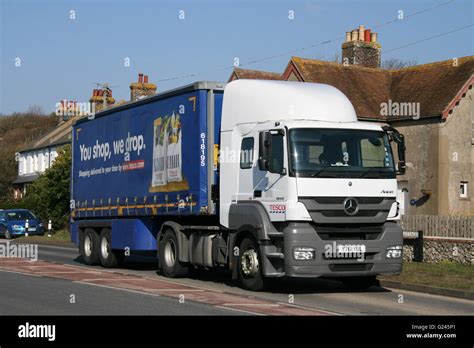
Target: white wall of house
point(36, 161)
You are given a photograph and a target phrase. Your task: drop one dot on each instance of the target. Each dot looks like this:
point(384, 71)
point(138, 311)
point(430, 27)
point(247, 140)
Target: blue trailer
point(153, 157)
point(275, 179)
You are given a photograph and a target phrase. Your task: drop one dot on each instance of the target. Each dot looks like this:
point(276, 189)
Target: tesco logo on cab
point(277, 208)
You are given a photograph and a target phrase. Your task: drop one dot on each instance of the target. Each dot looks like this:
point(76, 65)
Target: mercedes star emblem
point(350, 206)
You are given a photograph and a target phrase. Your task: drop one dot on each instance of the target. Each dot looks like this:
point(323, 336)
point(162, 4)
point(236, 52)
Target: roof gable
point(433, 85)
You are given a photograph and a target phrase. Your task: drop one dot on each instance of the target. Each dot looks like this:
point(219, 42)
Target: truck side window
point(276, 156)
point(246, 153)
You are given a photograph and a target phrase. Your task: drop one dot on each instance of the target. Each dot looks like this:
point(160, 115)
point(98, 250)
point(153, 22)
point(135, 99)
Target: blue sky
point(62, 58)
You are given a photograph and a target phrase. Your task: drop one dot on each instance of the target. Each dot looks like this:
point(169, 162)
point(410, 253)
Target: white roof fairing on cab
point(256, 101)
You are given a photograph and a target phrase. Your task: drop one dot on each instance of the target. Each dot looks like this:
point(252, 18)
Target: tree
point(17, 131)
point(395, 63)
point(48, 196)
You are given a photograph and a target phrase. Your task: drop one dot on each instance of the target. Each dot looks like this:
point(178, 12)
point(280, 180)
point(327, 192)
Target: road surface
point(46, 286)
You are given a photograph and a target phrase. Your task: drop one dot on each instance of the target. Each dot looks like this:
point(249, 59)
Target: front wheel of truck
point(168, 256)
point(250, 266)
point(360, 283)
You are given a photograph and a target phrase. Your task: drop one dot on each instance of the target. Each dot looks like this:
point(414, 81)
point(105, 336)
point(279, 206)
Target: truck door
point(265, 179)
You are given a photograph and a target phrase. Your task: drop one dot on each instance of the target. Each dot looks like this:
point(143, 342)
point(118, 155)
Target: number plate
point(32, 229)
point(351, 248)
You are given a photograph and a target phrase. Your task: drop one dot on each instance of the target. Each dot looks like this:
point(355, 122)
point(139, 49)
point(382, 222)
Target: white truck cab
point(316, 186)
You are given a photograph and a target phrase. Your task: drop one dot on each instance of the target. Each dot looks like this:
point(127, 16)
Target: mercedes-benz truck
point(267, 179)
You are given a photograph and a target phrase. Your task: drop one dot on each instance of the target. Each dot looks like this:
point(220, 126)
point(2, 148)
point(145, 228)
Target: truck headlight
point(394, 252)
point(303, 253)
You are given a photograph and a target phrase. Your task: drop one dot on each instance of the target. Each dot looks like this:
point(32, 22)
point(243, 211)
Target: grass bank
point(59, 238)
point(444, 274)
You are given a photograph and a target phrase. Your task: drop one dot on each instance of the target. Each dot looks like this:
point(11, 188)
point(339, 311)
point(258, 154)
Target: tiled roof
point(239, 73)
point(366, 88)
point(435, 86)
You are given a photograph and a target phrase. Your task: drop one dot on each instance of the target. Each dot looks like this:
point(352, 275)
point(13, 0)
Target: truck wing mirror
point(264, 149)
point(400, 141)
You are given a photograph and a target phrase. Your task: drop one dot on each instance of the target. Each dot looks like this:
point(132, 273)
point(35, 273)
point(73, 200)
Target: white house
point(40, 155)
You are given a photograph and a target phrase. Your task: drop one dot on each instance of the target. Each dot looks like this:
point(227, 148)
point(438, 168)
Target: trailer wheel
point(90, 247)
point(109, 258)
point(360, 283)
point(250, 269)
point(168, 256)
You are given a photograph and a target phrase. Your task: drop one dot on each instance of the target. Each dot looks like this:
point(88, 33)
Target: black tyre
point(360, 283)
point(109, 258)
point(250, 266)
point(8, 235)
point(168, 256)
point(89, 247)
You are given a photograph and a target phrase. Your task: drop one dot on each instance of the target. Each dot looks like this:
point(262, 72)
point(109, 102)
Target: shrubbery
point(48, 196)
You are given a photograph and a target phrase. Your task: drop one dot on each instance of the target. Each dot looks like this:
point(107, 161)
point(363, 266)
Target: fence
point(440, 226)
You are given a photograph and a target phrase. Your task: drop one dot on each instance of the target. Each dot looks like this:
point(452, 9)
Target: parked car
point(13, 223)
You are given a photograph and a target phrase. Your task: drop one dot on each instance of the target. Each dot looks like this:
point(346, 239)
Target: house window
point(35, 162)
point(246, 153)
point(21, 168)
point(463, 189)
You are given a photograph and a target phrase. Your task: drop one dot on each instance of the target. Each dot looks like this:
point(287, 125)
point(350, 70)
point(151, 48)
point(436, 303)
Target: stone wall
point(439, 249)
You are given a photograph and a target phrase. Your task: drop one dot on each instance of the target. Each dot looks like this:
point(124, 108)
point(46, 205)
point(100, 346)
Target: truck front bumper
point(373, 262)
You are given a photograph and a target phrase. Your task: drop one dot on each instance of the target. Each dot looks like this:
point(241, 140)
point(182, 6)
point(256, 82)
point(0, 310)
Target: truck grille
point(330, 210)
point(349, 232)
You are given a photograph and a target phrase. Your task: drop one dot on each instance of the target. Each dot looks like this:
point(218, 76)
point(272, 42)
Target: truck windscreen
point(340, 153)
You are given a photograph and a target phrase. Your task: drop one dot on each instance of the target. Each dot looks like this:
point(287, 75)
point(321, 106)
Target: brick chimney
point(361, 48)
point(102, 97)
point(142, 88)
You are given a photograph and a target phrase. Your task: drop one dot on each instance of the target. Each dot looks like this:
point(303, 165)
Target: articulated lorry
point(267, 179)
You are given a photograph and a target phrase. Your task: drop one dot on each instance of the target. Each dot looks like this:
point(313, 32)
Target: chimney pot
point(145, 79)
point(354, 34)
point(373, 37)
point(348, 36)
point(140, 78)
point(361, 32)
point(367, 35)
